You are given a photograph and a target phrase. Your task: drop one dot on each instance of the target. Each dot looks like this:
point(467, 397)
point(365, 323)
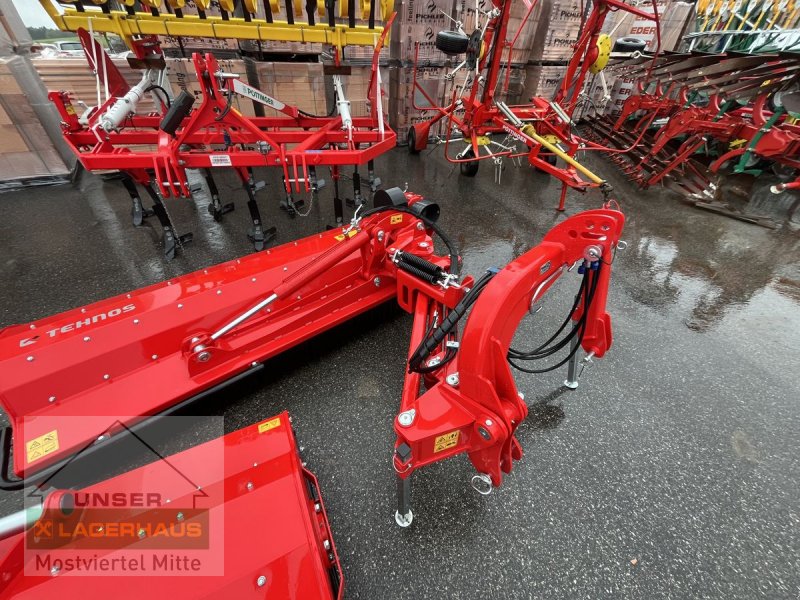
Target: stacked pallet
point(26, 151)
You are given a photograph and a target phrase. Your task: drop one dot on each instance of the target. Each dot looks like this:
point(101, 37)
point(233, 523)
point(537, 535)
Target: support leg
point(572, 366)
point(138, 212)
point(257, 235)
point(216, 208)
point(563, 198)
point(338, 207)
point(358, 199)
point(374, 182)
point(172, 241)
point(403, 516)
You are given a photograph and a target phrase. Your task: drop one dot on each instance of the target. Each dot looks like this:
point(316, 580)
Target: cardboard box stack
point(356, 88)
point(74, 76)
point(297, 84)
point(26, 151)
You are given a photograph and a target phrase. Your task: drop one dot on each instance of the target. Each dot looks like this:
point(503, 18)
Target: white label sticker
point(220, 160)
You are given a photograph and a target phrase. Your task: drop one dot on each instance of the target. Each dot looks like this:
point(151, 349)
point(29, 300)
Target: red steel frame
point(274, 538)
point(294, 141)
point(216, 135)
point(483, 116)
point(154, 348)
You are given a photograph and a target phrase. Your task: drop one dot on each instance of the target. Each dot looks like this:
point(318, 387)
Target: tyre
point(412, 141)
point(469, 169)
point(452, 42)
point(629, 44)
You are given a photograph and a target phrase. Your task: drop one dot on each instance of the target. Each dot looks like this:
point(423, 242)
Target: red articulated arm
point(475, 407)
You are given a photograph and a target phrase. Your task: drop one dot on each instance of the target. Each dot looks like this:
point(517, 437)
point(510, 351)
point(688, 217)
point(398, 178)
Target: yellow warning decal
point(267, 425)
point(396, 219)
point(42, 446)
point(340, 237)
point(448, 440)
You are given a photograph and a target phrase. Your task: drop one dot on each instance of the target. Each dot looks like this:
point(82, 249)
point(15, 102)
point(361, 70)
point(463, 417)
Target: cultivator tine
point(259, 236)
point(215, 207)
point(172, 241)
point(138, 212)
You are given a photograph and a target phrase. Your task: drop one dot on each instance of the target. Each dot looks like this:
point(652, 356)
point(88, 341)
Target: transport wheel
point(469, 169)
point(629, 44)
point(452, 42)
point(412, 141)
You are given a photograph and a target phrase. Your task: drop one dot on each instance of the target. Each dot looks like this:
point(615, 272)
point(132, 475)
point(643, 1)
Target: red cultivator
point(694, 115)
point(264, 505)
point(544, 126)
point(156, 150)
point(155, 350)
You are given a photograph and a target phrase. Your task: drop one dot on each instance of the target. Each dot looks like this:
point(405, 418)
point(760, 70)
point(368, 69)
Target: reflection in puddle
point(714, 272)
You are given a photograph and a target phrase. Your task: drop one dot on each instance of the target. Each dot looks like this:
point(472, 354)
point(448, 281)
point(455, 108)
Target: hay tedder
point(693, 115)
point(156, 150)
point(544, 127)
point(137, 357)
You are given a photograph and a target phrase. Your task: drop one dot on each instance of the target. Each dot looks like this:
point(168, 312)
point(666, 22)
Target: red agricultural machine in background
point(695, 115)
point(156, 150)
point(545, 126)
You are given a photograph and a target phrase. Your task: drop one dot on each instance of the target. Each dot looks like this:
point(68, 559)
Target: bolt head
point(204, 356)
point(29, 359)
point(406, 418)
point(250, 486)
point(377, 282)
point(420, 226)
point(381, 235)
point(326, 544)
point(154, 357)
point(180, 305)
point(179, 516)
point(86, 338)
point(423, 244)
point(54, 570)
point(452, 379)
point(488, 422)
point(51, 399)
point(142, 534)
point(317, 507)
point(136, 321)
point(261, 581)
point(106, 377)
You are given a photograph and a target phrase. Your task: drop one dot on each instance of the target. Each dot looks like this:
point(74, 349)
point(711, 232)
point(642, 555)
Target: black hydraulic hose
point(541, 350)
point(435, 338)
point(452, 249)
point(163, 91)
point(579, 329)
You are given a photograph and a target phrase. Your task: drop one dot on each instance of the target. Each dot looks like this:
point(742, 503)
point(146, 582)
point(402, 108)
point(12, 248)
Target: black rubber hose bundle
point(544, 351)
point(435, 338)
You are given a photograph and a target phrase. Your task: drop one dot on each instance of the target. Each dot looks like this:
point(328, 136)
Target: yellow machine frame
point(128, 25)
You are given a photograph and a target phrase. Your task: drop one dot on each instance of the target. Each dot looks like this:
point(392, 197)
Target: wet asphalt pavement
point(673, 471)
